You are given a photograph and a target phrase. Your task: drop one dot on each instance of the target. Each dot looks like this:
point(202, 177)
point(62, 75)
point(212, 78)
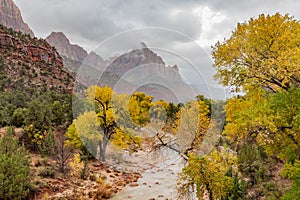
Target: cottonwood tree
point(102, 98)
point(193, 122)
point(194, 131)
point(262, 52)
point(272, 122)
point(207, 173)
point(95, 129)
point(262, 55)
point(261, 58)
point(139, 106)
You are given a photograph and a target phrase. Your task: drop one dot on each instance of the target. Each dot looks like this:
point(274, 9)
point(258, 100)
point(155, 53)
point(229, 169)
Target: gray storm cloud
point(90, 22)
point(96, 20)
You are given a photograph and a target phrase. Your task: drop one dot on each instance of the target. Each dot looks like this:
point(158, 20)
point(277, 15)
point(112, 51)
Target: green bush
point(14, 168)
point(292, 171)
point(239, 189)
point(18, 117)
point(47, 172)
point(253, 163)
point(47, 146)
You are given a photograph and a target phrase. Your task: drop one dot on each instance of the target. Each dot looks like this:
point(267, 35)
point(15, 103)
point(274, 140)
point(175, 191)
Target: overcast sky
point(202, 22)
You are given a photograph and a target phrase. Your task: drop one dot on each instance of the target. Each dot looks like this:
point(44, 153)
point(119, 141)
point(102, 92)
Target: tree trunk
point(102, 156)
point(209, 191)
point(102, 148)
point(105, 142)
point(99, 150)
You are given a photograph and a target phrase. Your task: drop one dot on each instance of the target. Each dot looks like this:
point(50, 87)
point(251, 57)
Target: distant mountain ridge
point(65, 48)
point(141, 62)
point(10, 16)
point(137, 57)
point(147, 72)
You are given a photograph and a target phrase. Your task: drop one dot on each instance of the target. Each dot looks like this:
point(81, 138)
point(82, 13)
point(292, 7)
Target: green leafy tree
point(286, 117)
point(47, 146)
point(14, 168)
point(292, 171)
point(6, 108)
point(39, 115)
point(18, 117)
point(80, 105)
point(253, 163)
point(273, 121)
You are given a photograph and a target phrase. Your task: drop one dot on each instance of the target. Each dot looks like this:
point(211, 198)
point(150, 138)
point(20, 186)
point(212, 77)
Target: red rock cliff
point(10, 16)
point(31, 64)
point(37, 52)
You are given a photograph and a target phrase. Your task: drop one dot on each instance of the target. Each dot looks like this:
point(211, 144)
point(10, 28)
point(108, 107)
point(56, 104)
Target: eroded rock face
point(134, 58)
point(35, 52)
point(137, 70)
point(65, 48)
point(10, 16)
point(95, 61)
point(31, 64)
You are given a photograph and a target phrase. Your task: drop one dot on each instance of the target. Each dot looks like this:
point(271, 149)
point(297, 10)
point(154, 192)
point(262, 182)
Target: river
point(159, 177)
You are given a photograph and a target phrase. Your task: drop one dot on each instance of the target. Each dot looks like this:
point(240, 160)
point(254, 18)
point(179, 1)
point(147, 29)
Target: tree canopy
point(261, 59)
point(261, 52)
point(108, 122)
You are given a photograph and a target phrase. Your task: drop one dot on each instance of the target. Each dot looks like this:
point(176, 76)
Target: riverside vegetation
point(46, 149)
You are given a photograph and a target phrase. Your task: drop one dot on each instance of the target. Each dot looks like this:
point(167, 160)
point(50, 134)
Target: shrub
point(47, 172)
point(292, 171)
point(47, 147)
point(18, 117)
point(252, 163)
point(76, 167)
point(14, 168)
point(63, 153)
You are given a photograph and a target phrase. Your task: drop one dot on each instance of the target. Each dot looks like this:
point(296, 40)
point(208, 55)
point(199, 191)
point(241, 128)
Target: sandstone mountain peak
point(143, 44)
point(175, 67)
point(65, 48)
point(92, 54)
point(94, 60)
point(137, 57)
point(60, 35)
point(113, 71)
point(10, 16)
